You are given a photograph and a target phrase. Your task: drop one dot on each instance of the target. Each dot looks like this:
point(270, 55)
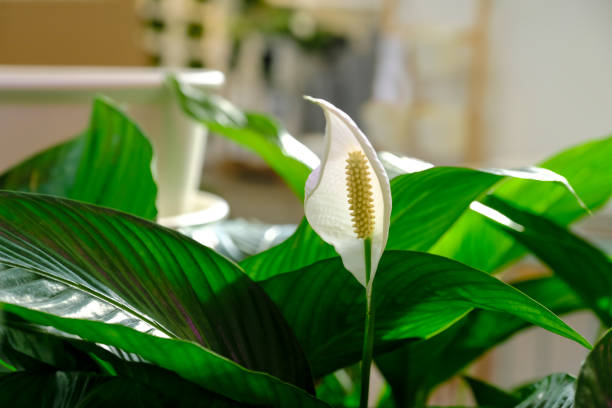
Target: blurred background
point(455, 82)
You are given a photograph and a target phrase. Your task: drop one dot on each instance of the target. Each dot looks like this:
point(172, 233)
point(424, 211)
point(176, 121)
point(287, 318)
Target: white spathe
point(326, 200)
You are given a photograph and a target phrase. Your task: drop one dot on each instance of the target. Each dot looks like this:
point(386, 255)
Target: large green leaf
point(583, 266)
point(284, 154)
point(158, 276)
point(188, 359)
point(435, 360)
point(415, 295)
point(588, 169)
point(422, 201)
point(425, 205)
point(594, 387)
point(109, 164)
point(473, 240)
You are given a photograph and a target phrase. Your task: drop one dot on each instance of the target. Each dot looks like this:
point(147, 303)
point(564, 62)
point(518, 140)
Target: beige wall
point(549, 82)
point(63, 32)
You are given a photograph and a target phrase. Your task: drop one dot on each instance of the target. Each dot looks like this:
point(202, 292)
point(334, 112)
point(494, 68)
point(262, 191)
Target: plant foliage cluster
point(100, 306)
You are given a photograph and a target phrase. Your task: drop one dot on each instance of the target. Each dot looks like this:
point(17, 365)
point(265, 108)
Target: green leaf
point(158, 276)
point(486, 394)
point(415, 295)
point(425, 205)
point(341, 389)
point(188, 359)
point(304, 247)
point(594, 386)
point(587, 168)
point(583, 266)
point(416, 368)
point(289, 158)
point(554, 391)
point(109, 164)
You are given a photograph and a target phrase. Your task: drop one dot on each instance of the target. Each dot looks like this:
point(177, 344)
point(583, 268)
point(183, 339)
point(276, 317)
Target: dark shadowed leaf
point(415, 295)
point(85, 389)
point(487, 395)
point(289, 158)
point(594, 386)
point(178, 287)
point(109, 164)
point(46, 389)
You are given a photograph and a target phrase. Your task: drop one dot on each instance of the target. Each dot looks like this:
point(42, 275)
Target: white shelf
point(16, 78)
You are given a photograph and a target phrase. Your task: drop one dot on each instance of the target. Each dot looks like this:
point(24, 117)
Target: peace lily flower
point(348, 198)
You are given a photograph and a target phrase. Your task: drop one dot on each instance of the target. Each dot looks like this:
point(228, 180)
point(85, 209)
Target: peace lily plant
point(101, 306)
point(348, 203)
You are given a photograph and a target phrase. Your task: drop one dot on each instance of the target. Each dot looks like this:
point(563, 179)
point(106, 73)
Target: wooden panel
point(62, 32)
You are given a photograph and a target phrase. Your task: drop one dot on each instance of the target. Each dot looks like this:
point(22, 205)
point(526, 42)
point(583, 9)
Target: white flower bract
point(326, 203)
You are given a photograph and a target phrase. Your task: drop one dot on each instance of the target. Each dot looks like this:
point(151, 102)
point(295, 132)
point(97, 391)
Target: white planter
point(42, 106)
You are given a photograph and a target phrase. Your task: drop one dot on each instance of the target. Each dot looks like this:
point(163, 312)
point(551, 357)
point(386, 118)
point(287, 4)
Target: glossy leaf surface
point(415, 295)
point(180, 288)
point(109, 164)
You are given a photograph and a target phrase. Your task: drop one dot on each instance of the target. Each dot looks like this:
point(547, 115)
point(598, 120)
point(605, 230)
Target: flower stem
point(368, 337)
point(367, 255)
